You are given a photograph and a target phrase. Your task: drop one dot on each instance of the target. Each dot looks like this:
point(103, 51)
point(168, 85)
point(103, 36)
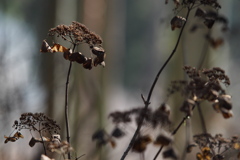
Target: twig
point(151, 90)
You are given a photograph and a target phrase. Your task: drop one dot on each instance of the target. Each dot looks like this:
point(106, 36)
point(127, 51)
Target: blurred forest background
point(137, 38)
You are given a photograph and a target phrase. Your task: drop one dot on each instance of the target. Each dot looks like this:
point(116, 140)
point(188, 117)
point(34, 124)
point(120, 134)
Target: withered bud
point(88, 64)
point(209, 23)
point(67, 53)
point(190, 147)
point(45, 47)
point(117, 133)
point(163, 139)
point(11, 139)
point(141, 143)
point(187, 106)
point(78, 57)
point(177, 22)
point(170, 153)
point(97, 50)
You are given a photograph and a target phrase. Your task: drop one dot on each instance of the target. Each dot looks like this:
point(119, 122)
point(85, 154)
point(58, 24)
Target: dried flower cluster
point(159, 117)
point(204, 84)
point(39, 122)
point(214, 147)
point(153, 119)
point(36, 122)
point(102, 138)
point(209, 17)
point(187, 3)
point(77, 33)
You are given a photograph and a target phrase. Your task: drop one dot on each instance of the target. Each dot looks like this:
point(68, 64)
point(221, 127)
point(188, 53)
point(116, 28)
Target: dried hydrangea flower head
point(76, 33)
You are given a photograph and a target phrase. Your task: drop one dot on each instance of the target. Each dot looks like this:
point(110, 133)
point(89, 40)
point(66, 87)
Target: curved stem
point(147, 102)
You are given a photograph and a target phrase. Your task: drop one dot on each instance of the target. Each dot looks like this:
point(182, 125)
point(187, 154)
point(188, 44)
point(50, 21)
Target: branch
point(147, 102)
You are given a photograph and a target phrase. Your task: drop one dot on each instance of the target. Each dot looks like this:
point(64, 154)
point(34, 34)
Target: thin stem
point(66, 104)
point(204, 128)
point(174, 132)
point(188, 135)
point(151, 90)
point(45, 152)
point(204, 53)
point(39, 131)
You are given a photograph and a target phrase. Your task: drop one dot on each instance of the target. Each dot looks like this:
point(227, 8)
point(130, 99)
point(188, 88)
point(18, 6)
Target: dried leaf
point(11, 139)
point(33, 140)
point(163, 139)
point(209, 23)
point(59, 48)
point(97, 50)
point(117, 133)
point(18, 135)
point(78, 57)
point(67, 54)
point(170, 153)
point(45, 47)
point(88, 64)
point(141, 143)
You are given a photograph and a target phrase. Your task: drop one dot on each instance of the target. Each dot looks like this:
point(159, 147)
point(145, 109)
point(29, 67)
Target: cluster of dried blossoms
point(214, 147)
point(209, 17)
point(203, 85)
point(77, 33)
point(153, 119)
point(36, 122)
point(47, 129)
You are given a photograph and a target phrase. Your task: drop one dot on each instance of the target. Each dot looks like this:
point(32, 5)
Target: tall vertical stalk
point(66, 104)
point(147, 102)
point(66, 107)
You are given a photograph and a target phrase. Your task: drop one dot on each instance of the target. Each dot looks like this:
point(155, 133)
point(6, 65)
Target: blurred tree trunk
point(41, 16)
